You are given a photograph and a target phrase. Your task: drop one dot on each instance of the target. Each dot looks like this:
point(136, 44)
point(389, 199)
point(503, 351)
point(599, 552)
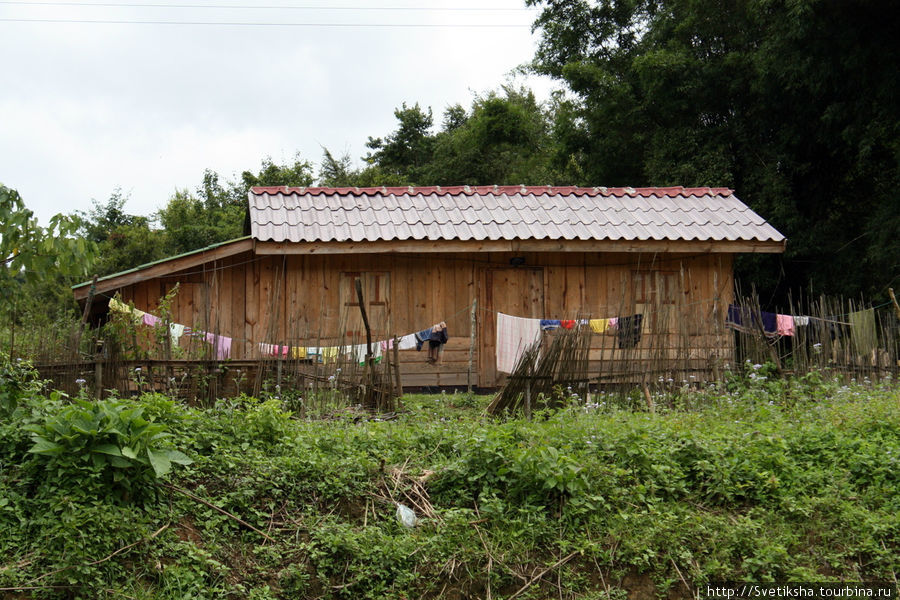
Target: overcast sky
point(88, 107)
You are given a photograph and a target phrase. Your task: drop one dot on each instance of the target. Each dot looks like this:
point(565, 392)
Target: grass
point(758, 481)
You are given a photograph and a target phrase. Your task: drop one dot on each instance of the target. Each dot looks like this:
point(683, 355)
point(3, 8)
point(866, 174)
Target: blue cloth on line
point(768, 320)
point(422, 337)
point(550, 324)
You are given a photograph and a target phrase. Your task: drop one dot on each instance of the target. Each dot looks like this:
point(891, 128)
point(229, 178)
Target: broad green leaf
point(45, 446)
point(160, 462)
point(110, 449)
point(179, 457)
point(128, 452)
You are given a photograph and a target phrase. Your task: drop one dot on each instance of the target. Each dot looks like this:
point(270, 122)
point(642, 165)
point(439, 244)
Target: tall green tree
point(37, 263)
point(504, 140)
point(792, 103)
point(405, 154)
point(217, 211)
point(124, 240)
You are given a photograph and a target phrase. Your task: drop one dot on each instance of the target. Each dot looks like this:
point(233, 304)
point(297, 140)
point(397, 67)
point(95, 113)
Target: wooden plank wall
point(296, 300)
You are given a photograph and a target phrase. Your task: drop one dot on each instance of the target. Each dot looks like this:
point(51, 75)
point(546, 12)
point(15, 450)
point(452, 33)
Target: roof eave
point(165, 265)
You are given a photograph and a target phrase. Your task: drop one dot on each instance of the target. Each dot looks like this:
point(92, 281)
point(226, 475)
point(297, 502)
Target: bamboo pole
point(85, 314)
point(472, 325)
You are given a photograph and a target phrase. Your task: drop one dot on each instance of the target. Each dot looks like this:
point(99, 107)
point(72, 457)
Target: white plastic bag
point(406, 516)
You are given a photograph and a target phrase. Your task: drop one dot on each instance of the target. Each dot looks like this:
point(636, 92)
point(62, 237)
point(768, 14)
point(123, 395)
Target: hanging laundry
point(862, 332)
point(735, 315)
point(298, 352)
point(273, 350)
point(118, 306)
point(629, 330)
point(549, 324)
point(422, 337)
point(149, 320)
point(569, 324)
point(220, 343)
point(613, 324)
point(599, 325)
point(744, 317)
point(358, 352)
point(436, 340)
point(769, 321)
point(514, 335)
point(386, 344)
point(175, 332)
point(121, 307)
point(801, 321)
point(329, 354)
point(784, 324)
point(407, 342)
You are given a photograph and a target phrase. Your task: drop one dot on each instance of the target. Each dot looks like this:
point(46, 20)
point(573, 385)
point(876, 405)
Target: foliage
point(760, 479)
point(505, 140)
point(37, 263)
point(18, 379)
point(124, 240)
point(217, 211)
point(105, 440)
point(759, 96)
point(405, 152)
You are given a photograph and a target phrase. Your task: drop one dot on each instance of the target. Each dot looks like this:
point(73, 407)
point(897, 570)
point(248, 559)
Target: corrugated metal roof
point(316, 214)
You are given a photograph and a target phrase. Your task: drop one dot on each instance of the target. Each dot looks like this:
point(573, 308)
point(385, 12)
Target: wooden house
point(460, 255)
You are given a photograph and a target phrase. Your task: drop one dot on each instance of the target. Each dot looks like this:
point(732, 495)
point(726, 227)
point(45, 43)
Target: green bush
point(107, 442)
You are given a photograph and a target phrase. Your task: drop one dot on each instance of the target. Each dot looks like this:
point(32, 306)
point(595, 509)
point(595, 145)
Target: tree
point(37, 263)
point(504, 140)
point(406, 152)
point(124, 241)
point(297, 174)
point(791, 103)
point(217, 212)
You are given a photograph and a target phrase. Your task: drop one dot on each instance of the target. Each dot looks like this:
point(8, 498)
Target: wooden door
point(518, 292)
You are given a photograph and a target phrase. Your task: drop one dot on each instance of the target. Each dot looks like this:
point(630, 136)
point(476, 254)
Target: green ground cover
point(760, 480)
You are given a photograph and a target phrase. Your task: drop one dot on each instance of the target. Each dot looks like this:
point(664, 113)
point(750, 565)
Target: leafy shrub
point(107, 441)
point(17, 380)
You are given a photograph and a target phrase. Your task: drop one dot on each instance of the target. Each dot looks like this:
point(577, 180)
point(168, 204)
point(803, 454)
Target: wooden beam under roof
point(444, 246)
point(164, 267)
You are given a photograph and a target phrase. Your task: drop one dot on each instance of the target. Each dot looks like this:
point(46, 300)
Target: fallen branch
point(221, 510)
point(531, 582)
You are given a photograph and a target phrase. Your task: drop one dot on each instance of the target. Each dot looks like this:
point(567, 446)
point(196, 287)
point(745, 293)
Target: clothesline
point(435, 336)
point(516, 334)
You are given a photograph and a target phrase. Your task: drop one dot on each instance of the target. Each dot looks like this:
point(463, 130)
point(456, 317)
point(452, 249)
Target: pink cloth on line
point(614, 323)
point(221, 343)
point(784, 324)
point(514, 335)
point(149, 319)
point(273, 350)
